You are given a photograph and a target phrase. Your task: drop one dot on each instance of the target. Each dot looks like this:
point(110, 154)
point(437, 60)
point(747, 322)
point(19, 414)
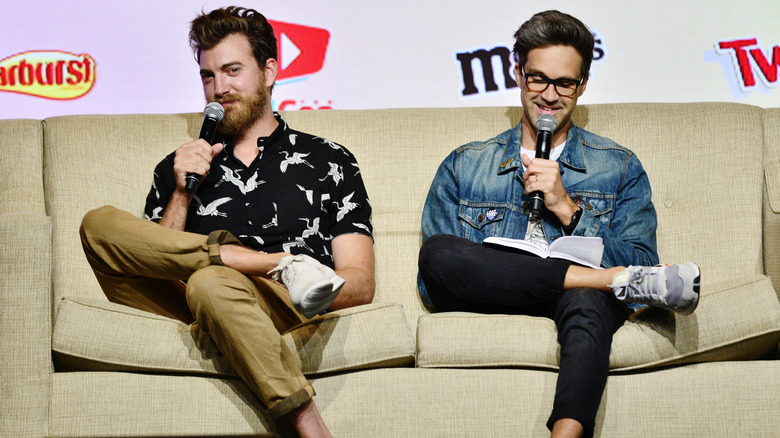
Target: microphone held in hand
point(212, 115)
point(544, 129)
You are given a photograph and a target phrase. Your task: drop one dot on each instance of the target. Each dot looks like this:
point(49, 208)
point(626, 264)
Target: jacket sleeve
point(440, 213)
point(630, 237)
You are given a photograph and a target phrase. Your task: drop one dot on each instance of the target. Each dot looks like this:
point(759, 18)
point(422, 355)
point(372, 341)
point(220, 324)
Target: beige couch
point(73, 364)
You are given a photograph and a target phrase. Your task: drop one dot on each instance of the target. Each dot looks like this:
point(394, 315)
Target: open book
point(585, 251)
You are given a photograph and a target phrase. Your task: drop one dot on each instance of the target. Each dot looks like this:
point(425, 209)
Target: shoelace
point(282, 266)
point(642, 281)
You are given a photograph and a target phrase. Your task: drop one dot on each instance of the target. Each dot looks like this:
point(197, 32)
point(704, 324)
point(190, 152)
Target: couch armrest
point(21, 158)
point(25, 324)
point(771, 238)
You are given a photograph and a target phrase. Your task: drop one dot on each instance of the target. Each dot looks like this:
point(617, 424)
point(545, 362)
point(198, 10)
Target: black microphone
point(212, 115)
point(544, 129)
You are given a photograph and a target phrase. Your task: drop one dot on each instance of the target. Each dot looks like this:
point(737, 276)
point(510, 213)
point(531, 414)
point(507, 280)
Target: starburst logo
point(49, 74)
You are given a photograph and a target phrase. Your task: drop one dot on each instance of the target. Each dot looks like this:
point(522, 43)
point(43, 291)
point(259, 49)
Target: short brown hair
point(207, 30)
point(553, 28)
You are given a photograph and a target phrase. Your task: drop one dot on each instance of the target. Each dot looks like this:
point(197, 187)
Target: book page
point(586, 251)
point(583, 250)
point(523, 245)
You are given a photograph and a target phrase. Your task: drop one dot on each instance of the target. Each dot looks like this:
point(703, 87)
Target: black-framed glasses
point(538, 83)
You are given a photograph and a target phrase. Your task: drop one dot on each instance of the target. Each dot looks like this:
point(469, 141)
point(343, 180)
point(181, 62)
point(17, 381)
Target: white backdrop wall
point(110, 57)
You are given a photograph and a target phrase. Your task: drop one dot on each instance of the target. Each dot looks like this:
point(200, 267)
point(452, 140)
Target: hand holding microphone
point(212, 115)
point(544, 130)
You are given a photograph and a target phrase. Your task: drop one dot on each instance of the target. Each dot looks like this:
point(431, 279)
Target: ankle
point(610, 273)
point(307, 421)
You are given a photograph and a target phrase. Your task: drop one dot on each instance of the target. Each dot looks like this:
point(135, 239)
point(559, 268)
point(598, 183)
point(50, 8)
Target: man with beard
point(592, 187)
point(269, 207)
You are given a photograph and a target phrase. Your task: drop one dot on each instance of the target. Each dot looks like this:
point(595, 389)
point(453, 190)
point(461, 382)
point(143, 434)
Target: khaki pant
point(143, 265)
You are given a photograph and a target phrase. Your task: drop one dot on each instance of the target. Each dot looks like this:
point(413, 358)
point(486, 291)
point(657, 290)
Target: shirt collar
point(275, 143)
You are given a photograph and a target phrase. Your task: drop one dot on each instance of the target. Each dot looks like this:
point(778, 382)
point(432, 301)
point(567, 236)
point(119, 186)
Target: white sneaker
point(673, 287)
point(312, 285)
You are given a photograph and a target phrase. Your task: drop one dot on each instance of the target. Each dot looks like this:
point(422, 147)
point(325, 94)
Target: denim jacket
point(478, 191)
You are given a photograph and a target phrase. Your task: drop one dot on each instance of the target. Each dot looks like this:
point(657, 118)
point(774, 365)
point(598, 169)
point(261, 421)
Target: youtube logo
point(301, 49)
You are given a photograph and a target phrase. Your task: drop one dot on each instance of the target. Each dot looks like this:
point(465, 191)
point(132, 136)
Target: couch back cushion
point(94, 160)
point(704, 162)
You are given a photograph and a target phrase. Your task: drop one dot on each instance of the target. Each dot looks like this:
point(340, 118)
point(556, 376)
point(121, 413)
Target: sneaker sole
point(321, 296)
point(696, 287)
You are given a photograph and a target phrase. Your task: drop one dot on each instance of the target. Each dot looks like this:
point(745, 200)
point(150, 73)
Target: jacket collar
point(572, 156)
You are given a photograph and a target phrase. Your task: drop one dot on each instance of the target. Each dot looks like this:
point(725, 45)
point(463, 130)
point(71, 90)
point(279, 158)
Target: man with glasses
point(591, 187)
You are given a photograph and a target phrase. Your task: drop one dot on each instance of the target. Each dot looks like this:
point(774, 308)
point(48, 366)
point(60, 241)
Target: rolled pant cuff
point(216, 238)
point(287, 405)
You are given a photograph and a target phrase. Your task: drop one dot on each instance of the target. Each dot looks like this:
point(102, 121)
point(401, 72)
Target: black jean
point(461, 275)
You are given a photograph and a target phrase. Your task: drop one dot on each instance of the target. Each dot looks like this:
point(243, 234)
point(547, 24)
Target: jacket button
point(589, 206)
point(480, 218)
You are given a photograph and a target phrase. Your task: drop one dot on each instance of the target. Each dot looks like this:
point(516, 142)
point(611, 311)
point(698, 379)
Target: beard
point(245, 111)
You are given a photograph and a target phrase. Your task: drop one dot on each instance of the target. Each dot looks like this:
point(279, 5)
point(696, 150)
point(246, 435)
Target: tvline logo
point(486, 58)
point(48, 74)
point(302, 51)
point(750, 62)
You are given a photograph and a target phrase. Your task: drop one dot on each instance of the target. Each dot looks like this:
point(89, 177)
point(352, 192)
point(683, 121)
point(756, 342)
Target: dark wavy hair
point(552, 28)
point(207, 30)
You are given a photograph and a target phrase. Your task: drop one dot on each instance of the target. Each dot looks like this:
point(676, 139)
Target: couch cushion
point(96, 335)
point(735, 320)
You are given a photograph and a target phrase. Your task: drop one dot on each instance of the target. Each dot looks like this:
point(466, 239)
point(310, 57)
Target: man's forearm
point(358, 289)
point(175, 216)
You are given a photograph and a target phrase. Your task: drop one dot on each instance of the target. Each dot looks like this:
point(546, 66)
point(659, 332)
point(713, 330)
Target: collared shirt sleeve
point(163, 185)
point(351, 212)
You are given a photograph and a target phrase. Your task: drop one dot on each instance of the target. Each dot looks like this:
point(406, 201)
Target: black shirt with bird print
point(299, 193)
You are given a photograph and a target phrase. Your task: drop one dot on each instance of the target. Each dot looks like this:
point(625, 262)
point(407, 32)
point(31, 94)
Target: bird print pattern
point(299, 193)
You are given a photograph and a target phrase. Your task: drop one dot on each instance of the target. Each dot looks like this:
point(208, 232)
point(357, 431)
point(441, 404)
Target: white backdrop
point(85, 57)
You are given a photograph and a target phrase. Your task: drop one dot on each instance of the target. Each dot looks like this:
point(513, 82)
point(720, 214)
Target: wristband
point(575, 219)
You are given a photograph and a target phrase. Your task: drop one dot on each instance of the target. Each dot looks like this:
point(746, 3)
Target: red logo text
point(751, 62)
point(292, 104)
point(50, 74)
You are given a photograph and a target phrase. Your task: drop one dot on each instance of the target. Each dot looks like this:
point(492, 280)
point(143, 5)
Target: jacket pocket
point(480, 221)
point(598, 206)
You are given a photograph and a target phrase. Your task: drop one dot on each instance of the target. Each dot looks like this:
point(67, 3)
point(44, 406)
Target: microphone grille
point(546, 123)
point(215, 111)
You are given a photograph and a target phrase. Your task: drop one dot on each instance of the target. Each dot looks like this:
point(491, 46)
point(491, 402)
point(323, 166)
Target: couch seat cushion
point(96, 335)
point(735, 320)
